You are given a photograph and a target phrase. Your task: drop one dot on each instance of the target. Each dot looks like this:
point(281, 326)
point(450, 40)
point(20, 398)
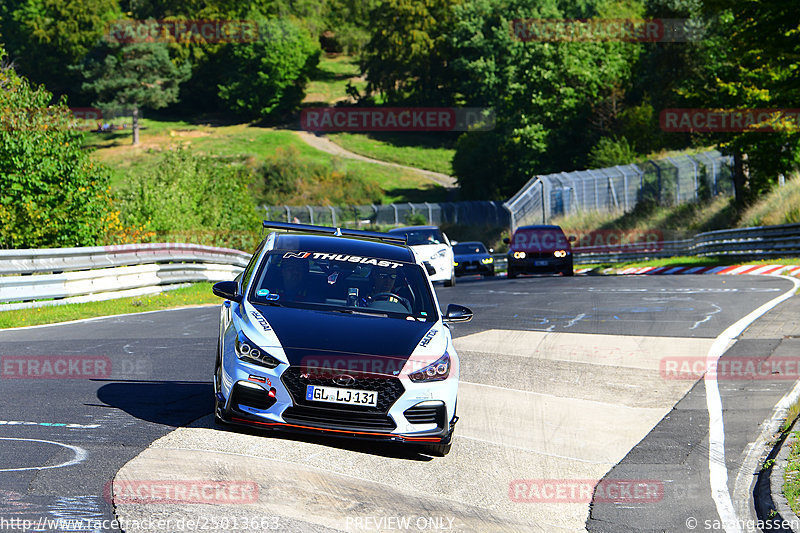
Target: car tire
point(451, 281)
point(488, 274)
point(512, 274)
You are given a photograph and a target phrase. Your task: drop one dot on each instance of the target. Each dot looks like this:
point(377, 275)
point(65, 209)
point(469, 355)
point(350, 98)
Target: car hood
point(470, 257)
point(305, 334)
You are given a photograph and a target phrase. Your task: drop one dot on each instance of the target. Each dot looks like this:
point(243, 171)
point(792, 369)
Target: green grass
point(427, 151)
point(196, 294)
point(251, 145)
point(328, 83)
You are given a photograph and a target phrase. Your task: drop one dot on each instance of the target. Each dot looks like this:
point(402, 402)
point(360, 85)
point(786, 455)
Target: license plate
point(315, 393)
point(541, 263)
point(472, 267)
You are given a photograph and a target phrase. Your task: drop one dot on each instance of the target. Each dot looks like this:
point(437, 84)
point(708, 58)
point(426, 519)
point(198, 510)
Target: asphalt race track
point(564, 382)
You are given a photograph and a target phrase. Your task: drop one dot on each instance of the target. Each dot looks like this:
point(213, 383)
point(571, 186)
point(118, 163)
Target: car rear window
point(423, 236)
point(469, 249)
point(539, 240)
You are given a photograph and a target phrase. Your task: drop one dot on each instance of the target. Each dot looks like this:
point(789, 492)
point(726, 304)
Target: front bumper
point(539, 265)
point(285, 411)
point(466, 268)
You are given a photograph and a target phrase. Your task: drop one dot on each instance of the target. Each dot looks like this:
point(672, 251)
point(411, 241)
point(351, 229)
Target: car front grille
point(389, 389)
point(426, 414)
point(335, 418)
point(256, 398)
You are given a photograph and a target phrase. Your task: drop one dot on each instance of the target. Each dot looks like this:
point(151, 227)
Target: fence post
point(430, 212)
point(310, 214)
point(288, 213)
point(396, 219)
point(624, 184)
point(333, 215)
point(677, 179)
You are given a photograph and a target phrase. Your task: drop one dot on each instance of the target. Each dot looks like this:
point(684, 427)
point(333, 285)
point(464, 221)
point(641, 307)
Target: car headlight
point(560, 253)
point(438, 255)
point(519, 255)
point(249, 352)
point(455, 263)
point(487, 260)
point(436, 371)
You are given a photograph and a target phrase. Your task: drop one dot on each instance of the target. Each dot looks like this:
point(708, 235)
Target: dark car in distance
point(472, 258)
point(539, 249)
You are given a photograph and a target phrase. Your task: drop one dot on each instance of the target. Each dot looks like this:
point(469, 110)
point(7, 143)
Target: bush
point(287, 179)
point(267, 78)
point(192, 196)
point(53, 194)
point(609, 152)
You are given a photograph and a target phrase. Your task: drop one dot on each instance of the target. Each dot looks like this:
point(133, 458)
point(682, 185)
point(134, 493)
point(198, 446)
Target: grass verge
point(426, 151)
point(195, 294)
point(791, 475)
point(252, 146)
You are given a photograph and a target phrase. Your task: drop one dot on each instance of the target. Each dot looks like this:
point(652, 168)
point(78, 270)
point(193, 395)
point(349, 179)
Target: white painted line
point(81, 320)
point(47, 424)
point(718, 470)
point(80, 455)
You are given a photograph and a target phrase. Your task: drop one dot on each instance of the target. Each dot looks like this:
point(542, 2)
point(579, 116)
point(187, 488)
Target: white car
point(433, 247)
point(339, 332)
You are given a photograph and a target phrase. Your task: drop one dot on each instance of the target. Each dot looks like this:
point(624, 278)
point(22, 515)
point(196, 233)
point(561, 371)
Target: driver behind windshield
point(386, 284)
point(294, 278)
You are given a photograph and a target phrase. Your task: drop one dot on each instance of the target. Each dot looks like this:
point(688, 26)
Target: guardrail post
point(430, 212)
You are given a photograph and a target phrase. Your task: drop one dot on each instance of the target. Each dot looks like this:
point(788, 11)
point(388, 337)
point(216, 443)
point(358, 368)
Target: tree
point(544, 93)
point(53, 194)
point(407, 54)
point(266, 78)
point(133, 76)
point(42, 36)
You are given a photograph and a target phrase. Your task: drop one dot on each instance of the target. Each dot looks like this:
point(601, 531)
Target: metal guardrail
point(66, 275)
point(745, 243)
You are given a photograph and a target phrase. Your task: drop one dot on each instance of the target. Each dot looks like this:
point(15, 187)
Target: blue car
point(338, 332)
point(472, 258)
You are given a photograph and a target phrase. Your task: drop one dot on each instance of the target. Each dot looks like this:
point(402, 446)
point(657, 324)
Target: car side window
point(251, 267)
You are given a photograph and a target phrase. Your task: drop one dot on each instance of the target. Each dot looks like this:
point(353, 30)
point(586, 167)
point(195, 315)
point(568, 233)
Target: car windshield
point(423, 236)
point(539, 240)
point(344, 283)
point(469, 248)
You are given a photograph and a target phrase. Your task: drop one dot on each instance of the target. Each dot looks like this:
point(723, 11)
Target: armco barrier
point(65, 275)
point(746, 243)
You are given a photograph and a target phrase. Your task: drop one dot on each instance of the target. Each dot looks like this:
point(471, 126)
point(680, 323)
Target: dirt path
point(326, 145)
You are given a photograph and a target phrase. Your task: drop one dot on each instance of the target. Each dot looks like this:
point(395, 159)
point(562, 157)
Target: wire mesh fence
point(669, 181)
point(360, 216)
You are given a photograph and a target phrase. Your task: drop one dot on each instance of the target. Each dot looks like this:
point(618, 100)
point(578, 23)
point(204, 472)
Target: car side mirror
point(457, 313)
point(228, 290)
point(429, 268)
point(572, 238)
point(506, 240)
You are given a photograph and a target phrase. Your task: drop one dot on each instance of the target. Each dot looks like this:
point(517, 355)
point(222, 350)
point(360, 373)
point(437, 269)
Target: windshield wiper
point(361, 312)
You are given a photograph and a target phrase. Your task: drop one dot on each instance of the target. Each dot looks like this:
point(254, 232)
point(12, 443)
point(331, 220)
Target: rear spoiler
point(339, 232)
